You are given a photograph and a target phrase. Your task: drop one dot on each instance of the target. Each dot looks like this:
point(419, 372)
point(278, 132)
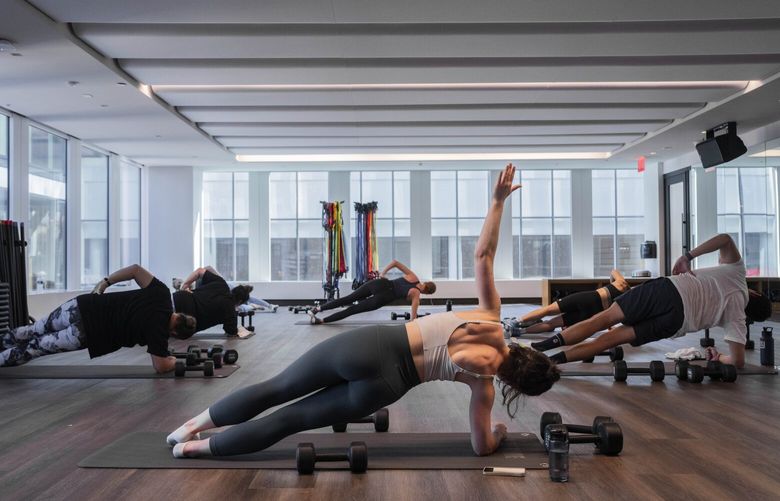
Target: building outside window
point(94, 217)
point(296, 225)
point(459, 202)
point(391, 190)
point(129, 214)
point(226, 223)
point(541, 224)
point(747, 210)
point(46, 228)
point(618, 221)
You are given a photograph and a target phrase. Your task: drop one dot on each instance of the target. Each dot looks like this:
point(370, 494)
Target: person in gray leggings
point(360, 371)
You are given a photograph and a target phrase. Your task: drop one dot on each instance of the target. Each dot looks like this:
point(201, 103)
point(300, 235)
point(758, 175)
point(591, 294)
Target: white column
point(259, 228)
point(705, 206)
point(197, 217)
point(581, 223)
point(73, 260)
point(18, 182)
point(654, 213)
point(114, 202)
point(503, 264)
point(145, 215)
point(421, 245)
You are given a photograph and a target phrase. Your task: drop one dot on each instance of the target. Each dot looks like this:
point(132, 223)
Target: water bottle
point(767, 347)
point(557, 441)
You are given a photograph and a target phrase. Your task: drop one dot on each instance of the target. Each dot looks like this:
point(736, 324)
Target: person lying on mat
point(212, 301)
point(104, 323)
point(357, 372)
point(668, 307)
point(376, 293)
point(574, 308)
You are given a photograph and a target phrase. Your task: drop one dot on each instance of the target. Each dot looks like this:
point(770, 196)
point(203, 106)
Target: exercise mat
point(386, 451)
point(368, 321)
point(605, 369)
point(103, 372)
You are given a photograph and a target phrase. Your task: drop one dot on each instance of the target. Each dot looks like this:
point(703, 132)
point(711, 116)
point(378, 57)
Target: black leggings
point(371, 295)
point(579, 306)
point(351, 374)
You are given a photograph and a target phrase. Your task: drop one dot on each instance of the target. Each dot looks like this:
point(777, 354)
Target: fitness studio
point(452, 250)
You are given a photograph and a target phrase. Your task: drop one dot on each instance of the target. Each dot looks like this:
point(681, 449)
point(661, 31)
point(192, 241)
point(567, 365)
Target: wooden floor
point(682, 441)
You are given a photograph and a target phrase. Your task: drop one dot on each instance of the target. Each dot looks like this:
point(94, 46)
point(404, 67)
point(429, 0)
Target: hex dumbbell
point(243, 315)
point(615, 353)
point(380, 418)
point(716, 371)
point(207, 368)
point(228, 356)
point(192, 357)
point(549, 418)
point(405, 315)
point(608, 438)
point(356, 455)
point(656, 370)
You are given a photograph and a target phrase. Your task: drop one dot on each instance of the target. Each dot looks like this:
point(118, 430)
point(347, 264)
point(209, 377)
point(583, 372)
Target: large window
point(226, 223)
point(541, 224)
point(296, 224)
point(747, 210)
point(46, 227)
point(129, 214)
point(618, 221)
point(459, 202)
point(5, 151)
point(94, 217)
point(391, 191)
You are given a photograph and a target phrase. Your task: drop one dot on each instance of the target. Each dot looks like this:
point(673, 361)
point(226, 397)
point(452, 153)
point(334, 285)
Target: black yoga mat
point(102, 372)
point(386, 451)
point(605, 369)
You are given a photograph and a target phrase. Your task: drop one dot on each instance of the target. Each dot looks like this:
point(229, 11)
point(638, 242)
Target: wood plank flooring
point(682, 441)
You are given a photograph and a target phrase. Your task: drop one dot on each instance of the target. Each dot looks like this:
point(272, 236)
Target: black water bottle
point(767, 347)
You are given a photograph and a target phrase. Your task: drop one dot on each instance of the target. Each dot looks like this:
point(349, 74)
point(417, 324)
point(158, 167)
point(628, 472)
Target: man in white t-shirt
point(669, 307)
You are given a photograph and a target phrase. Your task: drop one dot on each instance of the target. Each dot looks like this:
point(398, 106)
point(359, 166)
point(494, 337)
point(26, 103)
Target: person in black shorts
point(212, 301)
point(377, 293)
point(688, 301)
point(574, 308)
point(104, 323)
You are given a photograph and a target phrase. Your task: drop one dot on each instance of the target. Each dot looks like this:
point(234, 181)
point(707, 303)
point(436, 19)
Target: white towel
point(686, 354)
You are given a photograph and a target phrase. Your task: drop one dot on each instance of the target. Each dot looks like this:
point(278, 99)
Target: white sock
point(178, 451)
point(181, 435)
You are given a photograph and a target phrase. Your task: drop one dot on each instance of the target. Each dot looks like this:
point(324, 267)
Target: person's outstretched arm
point(415, 305)
point(485, 251)
point(485, 438)
point(723, 243)
point(408, 274)
point(195, 275)
point(133, 272)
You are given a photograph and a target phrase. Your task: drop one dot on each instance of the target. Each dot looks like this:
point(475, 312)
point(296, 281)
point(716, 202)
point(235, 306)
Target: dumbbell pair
point(716, 371)
point(604, 433)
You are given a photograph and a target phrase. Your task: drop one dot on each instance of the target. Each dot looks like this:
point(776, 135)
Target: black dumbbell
point(228, 356)
point(306, 456)
point(549, 418)
point(714, 370)
point(405, 315)
point(706, 341)
point(380, 418)
point(681, 369)
point(615, 353)
point(243, 315)
point(182, 367)
point(608, 438)
point(448, 304)
point(190, 357)
point(656, 369)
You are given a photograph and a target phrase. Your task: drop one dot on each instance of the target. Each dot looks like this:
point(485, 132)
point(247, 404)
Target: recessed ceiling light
point(418, 157)
point(72, 83)
point(704, 132)
point(652, 153)
point(16, 54)
point(87, 96)
point(121, 83)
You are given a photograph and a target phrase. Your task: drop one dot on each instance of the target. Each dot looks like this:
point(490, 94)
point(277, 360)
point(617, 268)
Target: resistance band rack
point(366, 252)
point(334, 258)
point(13, 276)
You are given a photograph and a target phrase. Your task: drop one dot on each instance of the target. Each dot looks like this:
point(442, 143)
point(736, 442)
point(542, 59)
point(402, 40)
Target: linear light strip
point(454, 85)
point(425, 157)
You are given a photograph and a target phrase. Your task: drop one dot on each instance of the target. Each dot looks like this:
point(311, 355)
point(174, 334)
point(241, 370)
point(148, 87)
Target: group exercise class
point(444, 249)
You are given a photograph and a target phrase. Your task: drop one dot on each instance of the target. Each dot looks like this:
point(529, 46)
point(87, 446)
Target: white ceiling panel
point(399, 11)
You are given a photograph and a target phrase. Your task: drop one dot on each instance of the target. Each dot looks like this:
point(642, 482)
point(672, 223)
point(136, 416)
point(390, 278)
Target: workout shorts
point(654, 309)
point(579, 306)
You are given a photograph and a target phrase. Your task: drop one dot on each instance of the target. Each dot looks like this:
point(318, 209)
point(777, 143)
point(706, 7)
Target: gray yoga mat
point(102, 372)
point(386, 451)
point(368, 321)
point(605, 369)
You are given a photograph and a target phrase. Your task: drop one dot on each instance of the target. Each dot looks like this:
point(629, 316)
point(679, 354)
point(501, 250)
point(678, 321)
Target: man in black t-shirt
point(211, 302)
point(105, 323)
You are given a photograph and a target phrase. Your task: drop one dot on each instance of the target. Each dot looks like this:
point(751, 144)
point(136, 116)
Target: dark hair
point(525, 372)
point(759, 307)
point(240, 293)
point(430, 287)
point(184, 326)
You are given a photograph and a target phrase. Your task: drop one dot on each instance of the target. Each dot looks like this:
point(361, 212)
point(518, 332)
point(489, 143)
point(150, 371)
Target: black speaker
point(648, 250)
point(716, 150)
